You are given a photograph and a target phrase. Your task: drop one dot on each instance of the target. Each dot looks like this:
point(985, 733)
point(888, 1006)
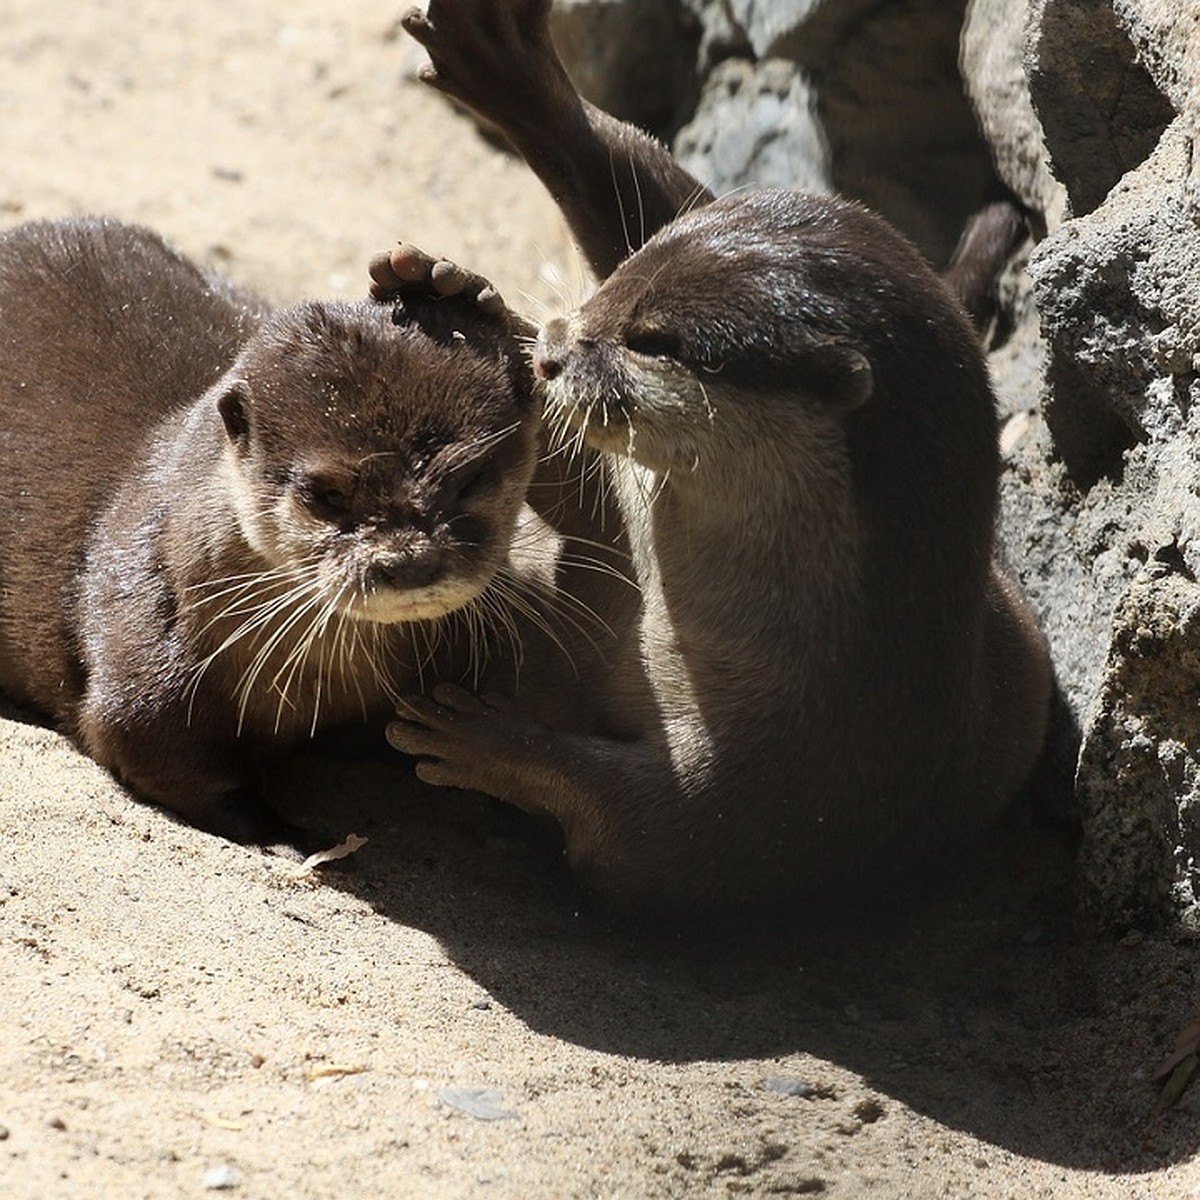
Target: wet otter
point(223, 527)
point(830, 679)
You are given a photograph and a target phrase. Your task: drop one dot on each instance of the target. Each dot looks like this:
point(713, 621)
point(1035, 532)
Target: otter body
point(829, 679)
point(224, 527)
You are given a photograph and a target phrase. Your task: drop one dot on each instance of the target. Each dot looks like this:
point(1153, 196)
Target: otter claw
point(415, 23)
point(427, 73)
point(490, 301)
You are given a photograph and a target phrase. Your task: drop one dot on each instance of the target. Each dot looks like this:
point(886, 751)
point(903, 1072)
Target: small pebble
point(789, 1087)
point(221, 1179)
point(484, 1104)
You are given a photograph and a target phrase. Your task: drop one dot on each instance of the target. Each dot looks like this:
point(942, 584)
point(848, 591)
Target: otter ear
point(841, 376)
point(233, 405)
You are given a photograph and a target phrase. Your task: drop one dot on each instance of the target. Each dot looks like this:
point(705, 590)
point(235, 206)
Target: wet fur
point(171, 590)
point(829, 680)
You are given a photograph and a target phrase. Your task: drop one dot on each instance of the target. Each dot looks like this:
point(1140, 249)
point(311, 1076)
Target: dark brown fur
point(193, 488)
point(829, 679)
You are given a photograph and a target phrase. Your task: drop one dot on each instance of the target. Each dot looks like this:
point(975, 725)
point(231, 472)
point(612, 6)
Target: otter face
point(719, 331)
point(375, 470)
point(624, 393)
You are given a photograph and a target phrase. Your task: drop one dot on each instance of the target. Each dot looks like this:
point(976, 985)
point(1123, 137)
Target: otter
point(830, 680)
point(224, 527)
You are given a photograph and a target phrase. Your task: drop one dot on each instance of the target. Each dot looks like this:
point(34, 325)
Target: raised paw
point(408, 270)
point(484, 53)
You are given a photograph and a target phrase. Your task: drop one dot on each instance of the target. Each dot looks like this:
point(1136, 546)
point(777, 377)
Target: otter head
point(378, 470)
point(721, 331)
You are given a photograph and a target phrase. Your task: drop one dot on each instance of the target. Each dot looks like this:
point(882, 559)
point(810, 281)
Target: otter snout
point(416, 568)
point(550, 349)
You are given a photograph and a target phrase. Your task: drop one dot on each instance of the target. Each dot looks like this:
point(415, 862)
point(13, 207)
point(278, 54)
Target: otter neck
point(796, 537)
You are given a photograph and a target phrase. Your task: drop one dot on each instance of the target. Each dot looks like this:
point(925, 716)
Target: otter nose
point(416, 568)
point(545, 365)
point(548, 353)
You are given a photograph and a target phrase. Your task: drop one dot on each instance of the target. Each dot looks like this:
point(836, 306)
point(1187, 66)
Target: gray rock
point(1139, 773)
point(756, 126)
point(1102, 517)
point(484, 1104)
point(790, 1087)
point(1100, 110)
point(991, 57)
point(721, 37)
point(221, 1179)
point(1119, 298)
point(1166, 38)
point(796, 28)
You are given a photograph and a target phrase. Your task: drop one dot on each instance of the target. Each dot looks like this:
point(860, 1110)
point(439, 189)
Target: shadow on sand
point(984, 1003)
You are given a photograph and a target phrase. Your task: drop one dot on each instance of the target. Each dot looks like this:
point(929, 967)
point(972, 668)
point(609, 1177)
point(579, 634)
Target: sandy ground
point(179, 1015)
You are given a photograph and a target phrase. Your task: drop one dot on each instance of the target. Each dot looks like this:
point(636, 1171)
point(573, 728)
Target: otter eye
point(474, 480)
point(324, 499)
point(653, 343)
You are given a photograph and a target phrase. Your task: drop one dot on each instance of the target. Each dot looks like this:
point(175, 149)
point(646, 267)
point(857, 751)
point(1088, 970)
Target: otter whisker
point(297, 658)
point(247, 684)
point(641, 205)
point(242, 593)
point(709, 410)
point(478, 641)
point(257, 612)
point(612, 170)
point(376, 651)
point(207, 593)
point(555, 605)
point(351, 653)
point(473, 449)
point(381, 659)
point(694, 199)
point(508, 604)
point(432, 634)
point(492, 620)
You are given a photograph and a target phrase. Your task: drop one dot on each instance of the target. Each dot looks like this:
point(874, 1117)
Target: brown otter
point(830, 679)
point(224, 527)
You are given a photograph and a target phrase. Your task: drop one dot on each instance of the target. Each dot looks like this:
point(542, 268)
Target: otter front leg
point(596, 790)
point(615, 185)
point(480, 744)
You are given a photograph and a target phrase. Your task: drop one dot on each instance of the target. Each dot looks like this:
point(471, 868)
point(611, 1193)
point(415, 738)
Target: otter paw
point(463, 36)
point(408, 270)
point(461, 739)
